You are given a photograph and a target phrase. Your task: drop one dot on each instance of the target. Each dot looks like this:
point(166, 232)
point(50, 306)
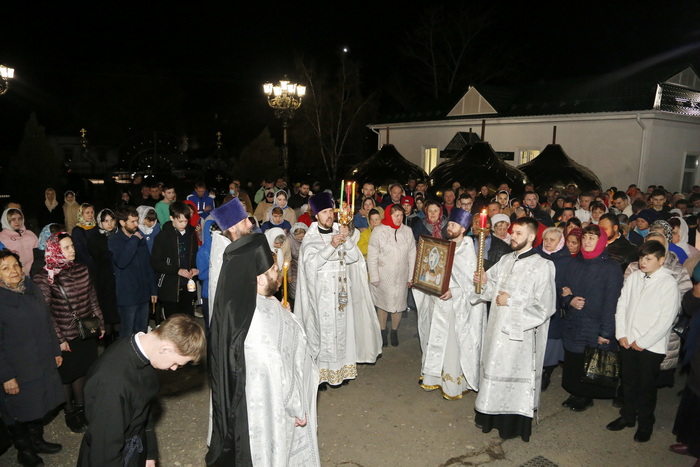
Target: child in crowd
point(276, 220)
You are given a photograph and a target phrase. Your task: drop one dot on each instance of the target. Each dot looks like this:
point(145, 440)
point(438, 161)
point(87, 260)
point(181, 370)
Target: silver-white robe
point(330, 331)
point(516, 334)
point(368, 337)
point(281, 384)
point(451, 331)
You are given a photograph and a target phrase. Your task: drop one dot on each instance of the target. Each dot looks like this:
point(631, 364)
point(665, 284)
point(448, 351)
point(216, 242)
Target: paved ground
point(384, 418)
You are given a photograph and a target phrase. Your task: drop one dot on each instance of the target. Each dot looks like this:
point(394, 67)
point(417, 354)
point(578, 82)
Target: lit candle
point(482, 219)
point(347, 193)
point(284, 275)
point(342, 187)
point(353, 197)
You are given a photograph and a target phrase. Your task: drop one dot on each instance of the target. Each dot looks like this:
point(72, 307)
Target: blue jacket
point(132, 269)
point(599, 281)
point(201, 202)
point(203, 255)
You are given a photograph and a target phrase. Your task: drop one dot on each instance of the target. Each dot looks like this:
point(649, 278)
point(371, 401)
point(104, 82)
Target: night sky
point(218, 55)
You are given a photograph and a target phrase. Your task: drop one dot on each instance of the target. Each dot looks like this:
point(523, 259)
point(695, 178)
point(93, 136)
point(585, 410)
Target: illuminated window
point(430, 159)
point(526, 155)
point(690, 170)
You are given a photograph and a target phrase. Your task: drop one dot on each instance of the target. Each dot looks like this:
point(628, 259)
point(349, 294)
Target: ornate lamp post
point(285, 98)
point(6, 73)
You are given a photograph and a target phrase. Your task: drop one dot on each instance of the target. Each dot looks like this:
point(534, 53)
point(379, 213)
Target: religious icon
point(433, 265)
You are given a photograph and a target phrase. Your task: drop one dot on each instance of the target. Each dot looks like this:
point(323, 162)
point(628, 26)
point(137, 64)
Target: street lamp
point(285, 98)
point(6, 73)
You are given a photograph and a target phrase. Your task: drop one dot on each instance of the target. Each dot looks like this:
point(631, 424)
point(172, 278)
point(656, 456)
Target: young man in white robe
point(324, 301)
point(522, 293)
point(450, 328)
point(281, 383)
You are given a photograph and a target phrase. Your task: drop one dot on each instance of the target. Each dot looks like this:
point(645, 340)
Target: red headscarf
point(55, 260)
point(599, 247)
point(388, 221)
point(194, 218)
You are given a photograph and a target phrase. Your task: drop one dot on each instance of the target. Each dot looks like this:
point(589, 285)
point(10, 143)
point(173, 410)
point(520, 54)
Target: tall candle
point(353, 197)
point(482, 219)
point(284, 275)
point(347, 192)
point(342, 187)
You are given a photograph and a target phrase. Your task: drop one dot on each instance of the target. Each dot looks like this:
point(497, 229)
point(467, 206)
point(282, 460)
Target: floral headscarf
point(65, 200)
point(55, 260)
point(87, 225)
point(665, 229)
point(44, 236)
point(99, 224)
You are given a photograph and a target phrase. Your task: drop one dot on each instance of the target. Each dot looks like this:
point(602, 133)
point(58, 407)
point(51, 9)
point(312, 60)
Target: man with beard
point(450, 328)
point(135, 281)
point(324, 299)
point(522, 292)
point(264, 382)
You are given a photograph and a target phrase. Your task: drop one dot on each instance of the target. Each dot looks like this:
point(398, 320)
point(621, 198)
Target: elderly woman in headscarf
point(70, 210)
point(30, 353)
point(680, 236)
point(277, 240)
point(16, 237)
point(500, 223)
point(103, 272)
point(70, 295)
point(589, 320)
point(666, 230)
point(294, 238)
point(553, 248)
point(148, 224)
point(50, 212)
point(82, 232)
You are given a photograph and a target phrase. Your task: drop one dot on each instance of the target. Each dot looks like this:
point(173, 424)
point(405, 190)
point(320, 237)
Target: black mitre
point(234, 305)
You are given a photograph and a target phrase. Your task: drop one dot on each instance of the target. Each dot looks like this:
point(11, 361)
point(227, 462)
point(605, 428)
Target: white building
point(640, 127)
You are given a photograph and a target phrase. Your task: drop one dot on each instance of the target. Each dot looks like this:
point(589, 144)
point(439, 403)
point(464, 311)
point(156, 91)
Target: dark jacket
point(55, 216)
point(691, 307)
point(599, 281)
point(497, 249)
point(28, 347)
point(80, 238)
point(561, 260)
point(622, 252)
point(81, 297)
point(119, 390)
point(131, 262)
point(103, 276)
point(421, 227)
point(165, 260)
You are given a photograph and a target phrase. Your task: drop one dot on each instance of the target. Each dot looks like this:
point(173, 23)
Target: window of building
point(526, 155)
point(430, 159)
point(690, 170)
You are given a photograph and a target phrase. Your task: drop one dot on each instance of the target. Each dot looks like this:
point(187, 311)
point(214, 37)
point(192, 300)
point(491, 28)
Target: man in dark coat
point(121, 386)
point(174, 258)
point(231, 317)
point(619, 248)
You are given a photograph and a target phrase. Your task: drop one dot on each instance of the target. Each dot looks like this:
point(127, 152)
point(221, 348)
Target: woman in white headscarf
point(279, 245)
point(15, 237)
point(148, 224)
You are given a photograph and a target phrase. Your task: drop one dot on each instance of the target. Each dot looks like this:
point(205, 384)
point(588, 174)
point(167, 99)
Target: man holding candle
point(522, 291)
point(264, 382)
point(324, 296)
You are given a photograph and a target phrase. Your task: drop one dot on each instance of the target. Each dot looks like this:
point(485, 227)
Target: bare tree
point(444, 44)
point(335, 112)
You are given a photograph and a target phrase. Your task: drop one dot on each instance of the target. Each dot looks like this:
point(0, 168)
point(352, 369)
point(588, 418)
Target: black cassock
point(234, 306)
point(119, 390)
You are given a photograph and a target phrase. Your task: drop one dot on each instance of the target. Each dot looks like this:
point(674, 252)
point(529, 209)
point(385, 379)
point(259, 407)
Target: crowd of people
point(566, 275)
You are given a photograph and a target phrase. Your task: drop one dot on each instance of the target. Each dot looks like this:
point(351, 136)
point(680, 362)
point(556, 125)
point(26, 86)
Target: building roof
point(625, 90)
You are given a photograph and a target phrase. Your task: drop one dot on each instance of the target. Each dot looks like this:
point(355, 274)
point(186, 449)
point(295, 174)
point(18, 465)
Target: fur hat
point(229, 214)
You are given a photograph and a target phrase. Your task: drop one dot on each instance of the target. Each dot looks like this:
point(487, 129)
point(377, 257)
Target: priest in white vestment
point(522, 292)
point(281, 384)
point(324, 301)
point(450, 328)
